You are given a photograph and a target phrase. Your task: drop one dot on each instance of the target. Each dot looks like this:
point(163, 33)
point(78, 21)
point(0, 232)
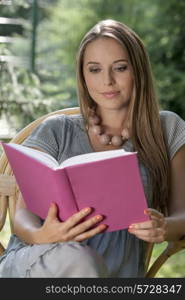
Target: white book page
point(49, 161)
point(93, 156)
point(43, 157)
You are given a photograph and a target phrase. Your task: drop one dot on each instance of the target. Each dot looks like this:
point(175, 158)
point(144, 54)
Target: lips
point(111, 94)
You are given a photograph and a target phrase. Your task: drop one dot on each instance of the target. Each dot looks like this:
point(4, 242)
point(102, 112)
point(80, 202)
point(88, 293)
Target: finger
point(158, 239)
point(52, 212)
point(86, 235)
point(145, 225)
point(77, 217)
point(160, 221)
point(150, 239)
point(84, 226)
point(153, 212)
point(150, 234)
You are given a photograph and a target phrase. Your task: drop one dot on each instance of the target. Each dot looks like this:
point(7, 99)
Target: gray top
point(64, 136)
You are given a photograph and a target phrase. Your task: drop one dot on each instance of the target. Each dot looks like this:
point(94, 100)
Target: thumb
point(52, 212)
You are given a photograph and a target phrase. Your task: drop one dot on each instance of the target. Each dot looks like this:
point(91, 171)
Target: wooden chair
point(9, 192)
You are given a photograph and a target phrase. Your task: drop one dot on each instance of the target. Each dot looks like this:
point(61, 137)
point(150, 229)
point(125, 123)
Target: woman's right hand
point(72, 229)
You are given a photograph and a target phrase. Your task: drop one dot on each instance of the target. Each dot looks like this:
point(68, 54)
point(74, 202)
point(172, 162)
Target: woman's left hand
point(152, 231)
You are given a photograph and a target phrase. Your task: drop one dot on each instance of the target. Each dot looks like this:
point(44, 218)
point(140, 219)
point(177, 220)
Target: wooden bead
point(94, 120)
point(104, 139)
point(125, 133)
point(96, 129)
point(117, 140)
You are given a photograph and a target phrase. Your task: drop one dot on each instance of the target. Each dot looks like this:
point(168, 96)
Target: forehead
point(105, 48)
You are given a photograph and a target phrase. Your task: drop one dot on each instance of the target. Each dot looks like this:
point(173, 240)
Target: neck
point(112, 120)
point(108, 126)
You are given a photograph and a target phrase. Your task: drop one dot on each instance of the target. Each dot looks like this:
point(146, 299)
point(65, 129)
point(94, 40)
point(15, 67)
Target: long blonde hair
point(146, 132)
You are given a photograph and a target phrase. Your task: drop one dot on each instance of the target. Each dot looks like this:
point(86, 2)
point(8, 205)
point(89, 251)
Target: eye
point(121, 68)
point(94, 70)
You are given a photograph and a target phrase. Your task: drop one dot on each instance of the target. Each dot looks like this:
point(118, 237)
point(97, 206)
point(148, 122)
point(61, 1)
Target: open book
point(107, 181)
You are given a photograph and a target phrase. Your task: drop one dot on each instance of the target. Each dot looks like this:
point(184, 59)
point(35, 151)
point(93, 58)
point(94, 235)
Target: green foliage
point(173, 267)
point(58, 75)
point(160, 25)
point(164, 36)
point(62, 24)
point(20, 94)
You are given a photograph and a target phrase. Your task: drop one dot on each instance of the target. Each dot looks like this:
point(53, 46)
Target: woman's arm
point(159, 228)
point(25, 224)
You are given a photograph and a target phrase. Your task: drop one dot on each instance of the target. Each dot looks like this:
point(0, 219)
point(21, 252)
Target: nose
point(108, 78)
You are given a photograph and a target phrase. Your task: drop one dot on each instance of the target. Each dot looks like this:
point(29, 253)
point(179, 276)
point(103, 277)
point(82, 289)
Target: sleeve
point(48, 135)
point(174, 130)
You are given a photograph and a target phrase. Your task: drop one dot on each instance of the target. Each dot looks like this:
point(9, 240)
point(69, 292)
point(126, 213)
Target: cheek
point(131, 84)
point(92, 83)
point(127, 83)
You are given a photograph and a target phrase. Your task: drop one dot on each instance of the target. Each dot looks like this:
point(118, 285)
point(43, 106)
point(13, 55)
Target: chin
point(111, 104)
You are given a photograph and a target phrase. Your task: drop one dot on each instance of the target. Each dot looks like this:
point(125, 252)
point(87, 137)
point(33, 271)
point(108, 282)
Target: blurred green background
point(38, 44)
point(39, 40)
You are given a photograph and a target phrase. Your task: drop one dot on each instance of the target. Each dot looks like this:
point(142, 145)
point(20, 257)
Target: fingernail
point(103, 226)
point(99, 217)
point(87, 210)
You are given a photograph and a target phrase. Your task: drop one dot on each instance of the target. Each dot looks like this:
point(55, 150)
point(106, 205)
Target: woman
point(118, 110)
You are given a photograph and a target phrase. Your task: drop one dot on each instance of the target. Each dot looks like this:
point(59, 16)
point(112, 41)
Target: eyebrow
point(114, 62)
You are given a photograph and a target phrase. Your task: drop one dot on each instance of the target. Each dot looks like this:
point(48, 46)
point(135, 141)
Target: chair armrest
point(7, 185)
point(2, 249)
point(172, 248)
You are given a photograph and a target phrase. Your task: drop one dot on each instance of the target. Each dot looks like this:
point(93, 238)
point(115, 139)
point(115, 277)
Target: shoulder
point(173, 127)
point(63, 127)
point(63, 119)
point(171, 122)
point(53, 133)
point(167, 116)
point(61, 124)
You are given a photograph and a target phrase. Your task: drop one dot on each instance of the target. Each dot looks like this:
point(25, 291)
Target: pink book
point(107, 181)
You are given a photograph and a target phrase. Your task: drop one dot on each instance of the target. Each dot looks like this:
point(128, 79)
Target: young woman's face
point(108, 73)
